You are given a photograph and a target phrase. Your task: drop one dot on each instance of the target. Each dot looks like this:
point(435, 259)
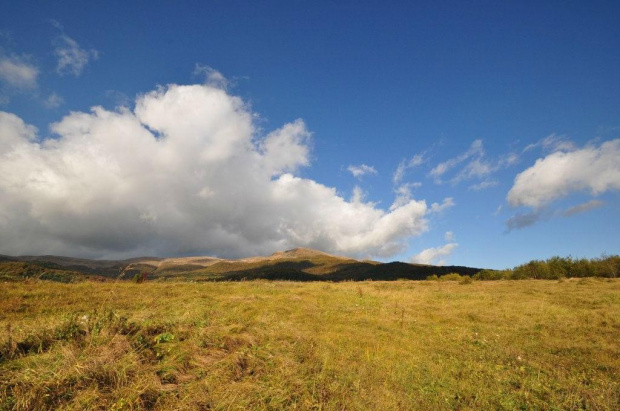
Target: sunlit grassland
point(271, 345)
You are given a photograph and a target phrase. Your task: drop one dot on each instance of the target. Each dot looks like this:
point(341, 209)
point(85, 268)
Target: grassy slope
point(19, 271)
point(368, 345)
point(311, 268)
point(298, 264)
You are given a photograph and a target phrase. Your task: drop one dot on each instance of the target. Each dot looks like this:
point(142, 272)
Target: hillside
point(300, 264)
point(18, 270)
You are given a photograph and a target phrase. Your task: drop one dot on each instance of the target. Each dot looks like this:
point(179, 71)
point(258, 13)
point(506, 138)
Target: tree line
point(556, 268)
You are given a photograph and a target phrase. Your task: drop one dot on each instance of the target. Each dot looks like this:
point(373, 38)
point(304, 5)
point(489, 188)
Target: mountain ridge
point(300, 264)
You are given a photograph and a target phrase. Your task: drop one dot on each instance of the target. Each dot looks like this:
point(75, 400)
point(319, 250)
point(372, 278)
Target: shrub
point(493, 275)
point(607, 266)
point(432, 277)
point(450, 277)
point(140, 278)
point(559, 267)
point(466, 280)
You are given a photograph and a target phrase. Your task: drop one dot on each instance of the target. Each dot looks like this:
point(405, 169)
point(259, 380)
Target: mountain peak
point(299, 252)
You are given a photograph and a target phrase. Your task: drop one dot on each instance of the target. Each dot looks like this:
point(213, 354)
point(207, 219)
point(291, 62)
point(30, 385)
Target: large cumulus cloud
point(591, 169)
point(185, 172)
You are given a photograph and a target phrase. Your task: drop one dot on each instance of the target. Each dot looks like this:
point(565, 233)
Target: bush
point(466, 280)
point(432, 277)
point(607, 266)
point(140, 278)
point(493, 275)
point(450, 277)
point(559, 267)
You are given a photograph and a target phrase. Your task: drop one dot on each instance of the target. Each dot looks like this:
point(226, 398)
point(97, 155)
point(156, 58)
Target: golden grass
point(528, 344)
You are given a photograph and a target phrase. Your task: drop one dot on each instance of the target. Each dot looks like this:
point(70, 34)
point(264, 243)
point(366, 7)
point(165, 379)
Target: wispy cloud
point(118, 98)
point(53, 101)
point(361, 170)
point(522, 220)
point(72, 58)
point(404, 165)
point(358, 195)
point(18, 72)
point(551, 143)
point(212, 76)
point(448, 202)
point(483, 185)
point(449, 236)
point(473, 164)
point(475, 150)
point(582, 208)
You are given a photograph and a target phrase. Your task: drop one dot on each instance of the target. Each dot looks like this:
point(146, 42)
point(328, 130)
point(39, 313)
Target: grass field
point(530, 344)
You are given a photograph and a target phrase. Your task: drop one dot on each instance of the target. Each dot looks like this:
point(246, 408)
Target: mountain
point(299, 264)
point(13, 270)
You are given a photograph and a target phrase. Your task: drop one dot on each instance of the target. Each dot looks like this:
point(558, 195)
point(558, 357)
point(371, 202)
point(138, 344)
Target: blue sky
point(505, 115)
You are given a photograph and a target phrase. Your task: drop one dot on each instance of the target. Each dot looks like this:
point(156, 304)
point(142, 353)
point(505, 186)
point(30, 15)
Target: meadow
point(528, 344)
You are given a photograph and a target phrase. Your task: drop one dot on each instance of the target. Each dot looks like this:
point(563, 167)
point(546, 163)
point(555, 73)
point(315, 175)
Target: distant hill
point(299, 264)
point(11, 271)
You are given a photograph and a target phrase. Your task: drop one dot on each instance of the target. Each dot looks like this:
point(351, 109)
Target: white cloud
point(450, 236)
point(361, 170)
point(475, 150)
point(473, 164)
point(434, 256)
point(53, 101)
point(17, 72)
point(71, 57)
point(591, 169)
point(483, 185)
point(399, 173)
point(186, 172)
point(415, 161)
point(403, 194)
point(358, 195)
point(552, 143)
point(477, 168)
point(582, 208)
point(508, 160)
point(212, 76)
point(14, 133)
point(447, 203)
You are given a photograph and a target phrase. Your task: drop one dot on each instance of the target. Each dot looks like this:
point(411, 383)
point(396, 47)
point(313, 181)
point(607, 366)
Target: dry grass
point(272, 345)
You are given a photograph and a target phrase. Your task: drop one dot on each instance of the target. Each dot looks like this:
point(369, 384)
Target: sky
point(483, 134)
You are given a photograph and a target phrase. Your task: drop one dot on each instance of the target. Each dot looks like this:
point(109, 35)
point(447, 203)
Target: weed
point(163, 337)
